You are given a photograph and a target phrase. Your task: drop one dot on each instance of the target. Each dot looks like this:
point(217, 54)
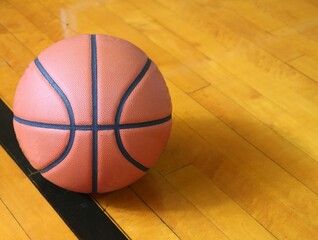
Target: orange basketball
point(92, 113)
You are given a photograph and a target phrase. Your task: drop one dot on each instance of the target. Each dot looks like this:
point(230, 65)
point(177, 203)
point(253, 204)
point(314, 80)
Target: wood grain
point(242, 160)
point(10, 227)
point(30, 209)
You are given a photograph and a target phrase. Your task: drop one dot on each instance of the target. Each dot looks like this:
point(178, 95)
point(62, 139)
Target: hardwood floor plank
point(250, 195)
point(307, 65)
point(9, 227)
point(183, 217)
point(14, 53)
point(29, 207)
point(277, 148)
point(276, 180)
point(134, 217)
point(217, 206)
point(8, 80)
point(258, 62)
point(42, 18)
point(20, 27)
point(185, 146)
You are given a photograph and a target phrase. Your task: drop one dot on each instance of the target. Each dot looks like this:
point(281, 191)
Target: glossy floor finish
point(242, 160)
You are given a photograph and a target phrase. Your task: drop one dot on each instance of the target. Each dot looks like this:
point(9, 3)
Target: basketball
point(92, 113)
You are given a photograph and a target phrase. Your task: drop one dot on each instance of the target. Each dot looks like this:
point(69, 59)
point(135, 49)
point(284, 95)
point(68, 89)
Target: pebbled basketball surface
point(92, 113)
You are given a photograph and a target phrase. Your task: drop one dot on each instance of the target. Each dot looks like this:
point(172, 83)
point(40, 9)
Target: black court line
point(82, 215)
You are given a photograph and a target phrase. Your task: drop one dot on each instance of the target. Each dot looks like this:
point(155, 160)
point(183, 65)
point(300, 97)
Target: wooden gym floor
point(242, 160)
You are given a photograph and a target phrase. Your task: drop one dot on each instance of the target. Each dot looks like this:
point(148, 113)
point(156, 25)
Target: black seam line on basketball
point(90, 127)
point(118, 115)
point(95, 113)
point(70, 113)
